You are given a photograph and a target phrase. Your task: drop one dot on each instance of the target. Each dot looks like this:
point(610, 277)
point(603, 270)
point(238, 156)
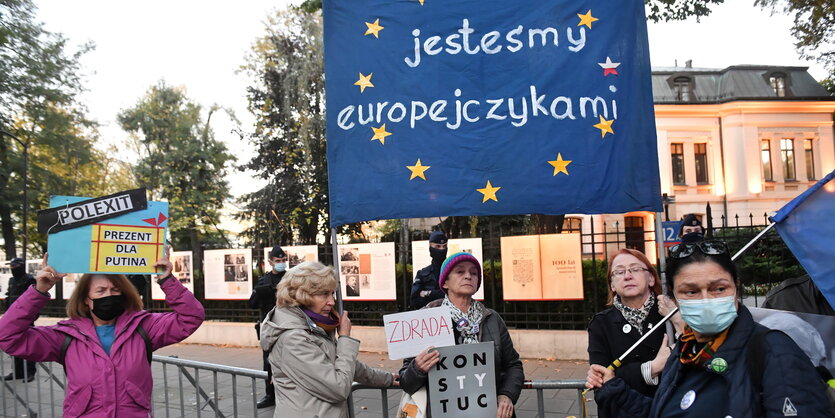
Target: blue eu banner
point(488, 107)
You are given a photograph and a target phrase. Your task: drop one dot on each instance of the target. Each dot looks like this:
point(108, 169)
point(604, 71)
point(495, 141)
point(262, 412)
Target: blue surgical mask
point(708, 316)
point(279, 267)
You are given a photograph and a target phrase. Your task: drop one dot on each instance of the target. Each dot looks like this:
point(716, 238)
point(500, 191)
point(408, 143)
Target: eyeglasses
point(685, 250)
point(634, 270)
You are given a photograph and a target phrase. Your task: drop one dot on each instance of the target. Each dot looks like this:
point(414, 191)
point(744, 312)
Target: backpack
point(149, 352)
point(756, 364)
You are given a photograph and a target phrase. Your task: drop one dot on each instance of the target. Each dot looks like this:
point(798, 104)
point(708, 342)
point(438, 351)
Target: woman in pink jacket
point(105, 346)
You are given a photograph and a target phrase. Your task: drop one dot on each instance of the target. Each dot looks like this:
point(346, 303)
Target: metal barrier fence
point(540, 386)
point(43, 396)
point(197, 388)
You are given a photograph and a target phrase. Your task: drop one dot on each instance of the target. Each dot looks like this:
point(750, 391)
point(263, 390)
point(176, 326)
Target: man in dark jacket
point(263, 299)
point(19, 282)
point(425, 288)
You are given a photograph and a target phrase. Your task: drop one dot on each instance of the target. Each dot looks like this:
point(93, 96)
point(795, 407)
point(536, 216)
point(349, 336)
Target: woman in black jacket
point(711, 372)
point(460, 278)
point(633, 288)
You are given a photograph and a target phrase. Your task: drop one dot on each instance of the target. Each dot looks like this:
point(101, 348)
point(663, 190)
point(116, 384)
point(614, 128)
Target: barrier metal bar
point(539, 385)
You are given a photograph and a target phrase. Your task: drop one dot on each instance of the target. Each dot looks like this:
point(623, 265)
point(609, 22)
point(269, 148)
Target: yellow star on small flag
point(380, 133)
point(364, 81)
point(489, 192)
point(374, 28)
point(560, 165)
point(605, 126)
point(421, 2)
point(586, 19)
point(418, 170)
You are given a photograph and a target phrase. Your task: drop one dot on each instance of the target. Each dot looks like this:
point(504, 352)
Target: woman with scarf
point(724, 364)
point(460, 278)
point(313, 357)
point(106, 344)
point(633, 288)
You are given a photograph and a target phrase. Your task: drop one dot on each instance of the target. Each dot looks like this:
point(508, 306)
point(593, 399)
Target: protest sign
point(128, 243)
point(296, 254)
point(409, 333)
point(228, 274)
point(488, 107)
point(183, 270)
point(542, 267)
point(421, 258)
point(463, 383)
point(89, 211)
point(366, 271)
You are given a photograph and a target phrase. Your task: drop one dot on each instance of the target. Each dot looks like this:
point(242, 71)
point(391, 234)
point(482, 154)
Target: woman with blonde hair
point(106, 344)
point(313, 369)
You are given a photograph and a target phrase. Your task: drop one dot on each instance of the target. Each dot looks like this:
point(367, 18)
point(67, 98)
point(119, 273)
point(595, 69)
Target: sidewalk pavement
point(367, 403)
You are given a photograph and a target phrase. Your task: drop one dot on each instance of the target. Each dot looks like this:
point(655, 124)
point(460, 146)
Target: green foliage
point(829, 84)
point(287, 97)
point(39, 83)
point(182, 162)
point(767, 261)
point(814, 27)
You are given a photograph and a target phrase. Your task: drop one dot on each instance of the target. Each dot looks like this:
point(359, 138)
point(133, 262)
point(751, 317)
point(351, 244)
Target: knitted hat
point(450, 263)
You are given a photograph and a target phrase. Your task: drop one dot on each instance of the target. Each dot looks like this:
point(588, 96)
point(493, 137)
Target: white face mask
point(708, 316)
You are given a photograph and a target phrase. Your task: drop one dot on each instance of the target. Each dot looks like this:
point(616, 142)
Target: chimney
point(688, 64)
point(676, 63)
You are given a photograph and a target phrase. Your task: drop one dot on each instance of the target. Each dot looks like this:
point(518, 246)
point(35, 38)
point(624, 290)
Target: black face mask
point(18, 271)
point(693, 237)
point(109, 307)
point(438, 255)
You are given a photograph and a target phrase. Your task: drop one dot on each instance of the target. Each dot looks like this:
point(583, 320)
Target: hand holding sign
point(426, 359)
point(163, 265)
point(46, 277)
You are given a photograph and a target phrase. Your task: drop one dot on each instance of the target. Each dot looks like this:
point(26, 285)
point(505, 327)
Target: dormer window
point(778, 84)
point(682, 89)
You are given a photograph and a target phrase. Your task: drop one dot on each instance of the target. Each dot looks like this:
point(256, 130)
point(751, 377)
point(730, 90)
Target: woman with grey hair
point(312, 354)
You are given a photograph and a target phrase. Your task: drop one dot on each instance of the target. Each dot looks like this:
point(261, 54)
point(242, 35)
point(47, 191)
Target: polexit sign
point(463, 383)
point(89, 211)
point(409, 333)
point(130, 242)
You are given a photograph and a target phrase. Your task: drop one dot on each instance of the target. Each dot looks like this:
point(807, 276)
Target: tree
point(182, 162)
point(814, 27)
point(287, 97)
point(39, 82)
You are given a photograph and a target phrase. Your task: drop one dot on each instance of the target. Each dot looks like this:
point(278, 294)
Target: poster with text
point(367, 271)
point(183, 271)
point(129, 243)
point(228, 274)
point(542, 267)
point(421, 258)
point(296, 254)
point(463, 383)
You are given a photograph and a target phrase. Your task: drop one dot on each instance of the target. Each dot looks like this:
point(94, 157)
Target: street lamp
point(25, 146)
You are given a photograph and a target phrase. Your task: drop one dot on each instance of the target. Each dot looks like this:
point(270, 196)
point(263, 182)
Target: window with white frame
point(787, 158)
point(700, 154)
point(765, 153)
point(677, 156)
point(809, 153)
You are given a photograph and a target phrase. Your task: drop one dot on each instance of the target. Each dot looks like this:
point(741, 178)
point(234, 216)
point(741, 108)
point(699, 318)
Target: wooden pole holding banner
point(336, 266)
point(662, 267)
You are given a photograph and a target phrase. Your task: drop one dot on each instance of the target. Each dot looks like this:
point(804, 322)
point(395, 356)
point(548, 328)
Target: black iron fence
point(762, 266)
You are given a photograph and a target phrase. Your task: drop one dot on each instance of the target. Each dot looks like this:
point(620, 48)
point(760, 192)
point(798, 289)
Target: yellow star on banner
point(418, 170)
point(421, 2)
point(560, 165)
point(364, 81)
point(489, 192)
point(586, 19)
point(374, 28)
point(605, 126)
point(380, 133)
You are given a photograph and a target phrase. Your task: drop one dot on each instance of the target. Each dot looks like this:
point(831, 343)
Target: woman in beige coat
point(313, 369)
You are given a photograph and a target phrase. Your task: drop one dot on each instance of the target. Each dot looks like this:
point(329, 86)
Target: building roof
point(734, 83)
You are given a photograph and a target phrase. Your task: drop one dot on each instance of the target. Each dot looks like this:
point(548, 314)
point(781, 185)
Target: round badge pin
point(627, 328)
point(688, 399)
point(719, 365)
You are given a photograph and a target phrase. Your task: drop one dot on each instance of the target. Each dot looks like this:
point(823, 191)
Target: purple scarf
point(327, 323)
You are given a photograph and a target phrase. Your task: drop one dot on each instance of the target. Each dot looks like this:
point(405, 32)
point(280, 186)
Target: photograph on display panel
point(228, 274)
point(367, 271)
point(296, 254)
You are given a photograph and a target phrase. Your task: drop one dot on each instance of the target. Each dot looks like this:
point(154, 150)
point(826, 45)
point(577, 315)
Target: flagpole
point(336, 266)
point(750, 243)
point(662, 267)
